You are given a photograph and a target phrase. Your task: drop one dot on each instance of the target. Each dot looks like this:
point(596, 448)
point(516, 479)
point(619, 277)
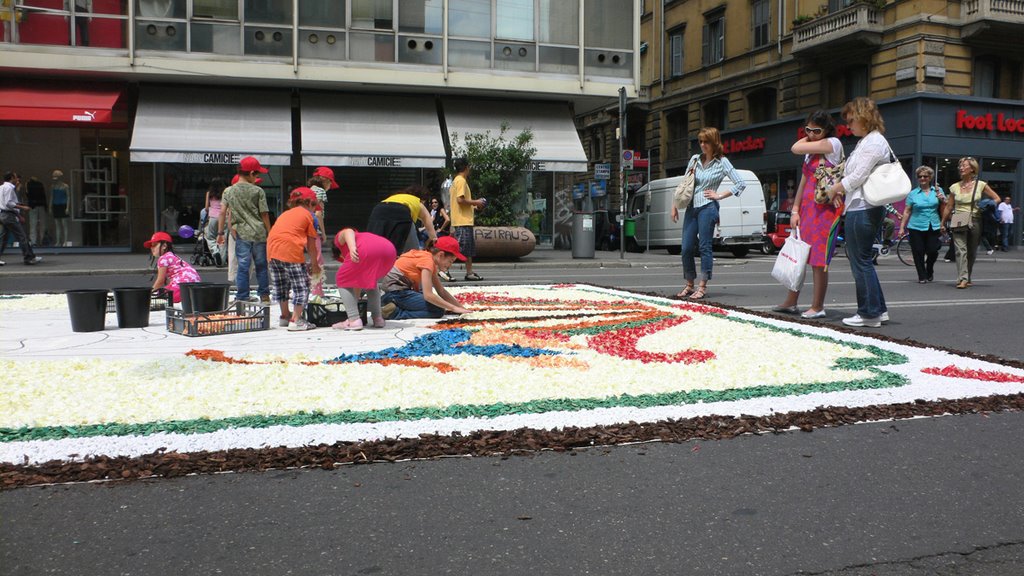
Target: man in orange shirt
point(412, 288)
point(291, 238)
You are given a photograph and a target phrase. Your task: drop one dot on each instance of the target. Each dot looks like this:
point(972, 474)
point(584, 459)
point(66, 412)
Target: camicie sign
point(987, 122)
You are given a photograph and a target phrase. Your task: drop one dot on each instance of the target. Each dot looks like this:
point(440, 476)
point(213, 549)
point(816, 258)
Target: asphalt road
point(927, 496)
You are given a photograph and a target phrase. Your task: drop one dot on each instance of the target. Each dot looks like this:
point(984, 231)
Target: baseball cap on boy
point(251, 164)
point(158, 237)
point(234, 180)
point(450, 245)
point(326, 173)
point(302, 193)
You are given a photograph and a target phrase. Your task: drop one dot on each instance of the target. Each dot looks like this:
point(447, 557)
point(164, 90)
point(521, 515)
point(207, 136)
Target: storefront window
point(538, 208)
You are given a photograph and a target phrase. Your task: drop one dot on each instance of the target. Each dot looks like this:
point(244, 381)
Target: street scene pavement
point(914, 496)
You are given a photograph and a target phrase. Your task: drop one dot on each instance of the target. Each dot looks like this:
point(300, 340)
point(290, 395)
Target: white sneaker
point(34, 260)
point(300, 326)
point(989, 252)
point(2, 263)
point(856, 320)
point(884, 317)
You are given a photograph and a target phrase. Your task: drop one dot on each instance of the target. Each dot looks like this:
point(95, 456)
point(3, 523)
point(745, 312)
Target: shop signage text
point(998, 122)
point(750, 144)
point(538, 167)
point(384, 161)
point(85, 116)
point(212, 158)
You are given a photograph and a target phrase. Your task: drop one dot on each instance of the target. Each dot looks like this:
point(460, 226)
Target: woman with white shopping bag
point(810, 220)
point(862, 219)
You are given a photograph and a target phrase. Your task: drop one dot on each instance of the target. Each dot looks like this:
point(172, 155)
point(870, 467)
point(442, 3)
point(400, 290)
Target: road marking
point(919, 303)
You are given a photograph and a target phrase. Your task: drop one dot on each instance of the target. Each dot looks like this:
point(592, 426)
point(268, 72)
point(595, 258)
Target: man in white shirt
point(9, 216)
point(1005, 213)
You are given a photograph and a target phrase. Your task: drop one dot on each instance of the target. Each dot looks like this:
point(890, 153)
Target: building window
point(762, 15)
point(325, 13)
point(514, 19)
point(856, 82)
point(986, 77)
point(675, 42)
point(373, 14)
point(714, 38)
point(603, 24)
point(597, 147)
point(676, 127)
point(469, 18)
point(762, 105)
point(716, 114)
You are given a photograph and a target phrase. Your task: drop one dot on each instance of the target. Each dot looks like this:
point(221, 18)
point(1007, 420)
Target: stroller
point(204, 253)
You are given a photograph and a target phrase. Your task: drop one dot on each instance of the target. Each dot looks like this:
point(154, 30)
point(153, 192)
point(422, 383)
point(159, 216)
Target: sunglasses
point(810, 130)
point(924, 177)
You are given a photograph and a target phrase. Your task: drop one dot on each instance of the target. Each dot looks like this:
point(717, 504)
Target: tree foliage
point(496, 168)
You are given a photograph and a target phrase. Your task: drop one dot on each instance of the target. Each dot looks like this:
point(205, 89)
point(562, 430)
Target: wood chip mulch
point(488, 443)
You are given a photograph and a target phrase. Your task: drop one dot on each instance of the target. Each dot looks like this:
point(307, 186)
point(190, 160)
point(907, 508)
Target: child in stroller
point(204, 253)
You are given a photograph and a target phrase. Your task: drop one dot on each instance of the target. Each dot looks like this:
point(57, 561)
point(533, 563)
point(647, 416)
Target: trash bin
point(207, 296)
point(583, 235)
point(132, 306)
point(629, 230)
point(185, 289)
point(88, 310)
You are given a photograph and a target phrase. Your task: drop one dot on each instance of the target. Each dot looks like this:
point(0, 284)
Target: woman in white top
point(814, 220)
point(862, 219)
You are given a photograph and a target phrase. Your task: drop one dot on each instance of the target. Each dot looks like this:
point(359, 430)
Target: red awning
point(57, 106)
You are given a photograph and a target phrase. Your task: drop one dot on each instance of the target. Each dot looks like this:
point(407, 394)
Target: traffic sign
point(627, 159)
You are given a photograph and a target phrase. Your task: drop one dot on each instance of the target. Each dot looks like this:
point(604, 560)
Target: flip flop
point(698, 294)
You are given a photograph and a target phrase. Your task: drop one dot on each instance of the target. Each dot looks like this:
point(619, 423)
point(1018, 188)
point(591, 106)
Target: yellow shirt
point(462, 214)
point(962, 199)
point(410, 201)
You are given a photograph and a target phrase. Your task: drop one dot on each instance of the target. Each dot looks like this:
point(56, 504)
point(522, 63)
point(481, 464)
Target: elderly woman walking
point(862, 219)
point(710, 168)
point(963, 199)
point(921, 218)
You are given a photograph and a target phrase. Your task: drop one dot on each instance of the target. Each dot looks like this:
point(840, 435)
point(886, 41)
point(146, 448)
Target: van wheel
point(767, 247)
point(675, 250)
point(739, 251)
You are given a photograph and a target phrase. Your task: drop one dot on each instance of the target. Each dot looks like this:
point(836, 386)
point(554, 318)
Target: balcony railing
point(1007, 14)
point(861, 23)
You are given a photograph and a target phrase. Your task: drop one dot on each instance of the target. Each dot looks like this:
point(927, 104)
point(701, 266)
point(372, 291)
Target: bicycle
point(906, 255)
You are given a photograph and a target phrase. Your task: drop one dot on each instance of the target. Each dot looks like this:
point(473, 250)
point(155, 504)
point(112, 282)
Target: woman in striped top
point(710, 168)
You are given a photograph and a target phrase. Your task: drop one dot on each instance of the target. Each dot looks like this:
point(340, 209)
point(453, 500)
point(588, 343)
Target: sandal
point(474, 277)
point(699, 293)
point(962, 284)
point(686, 291)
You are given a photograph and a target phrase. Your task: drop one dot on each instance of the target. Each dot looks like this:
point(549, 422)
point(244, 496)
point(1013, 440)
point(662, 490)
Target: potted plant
point(497, 166)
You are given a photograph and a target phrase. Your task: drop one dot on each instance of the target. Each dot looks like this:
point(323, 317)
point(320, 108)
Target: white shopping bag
point(791, 265)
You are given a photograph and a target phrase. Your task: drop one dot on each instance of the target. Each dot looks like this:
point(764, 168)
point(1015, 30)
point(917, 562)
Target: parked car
point(741, 225)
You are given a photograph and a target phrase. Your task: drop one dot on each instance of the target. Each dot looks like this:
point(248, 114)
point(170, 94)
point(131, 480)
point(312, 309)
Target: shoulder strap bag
point(683, 194)
point(826, 177)
point(964, 221)
point(887, 183)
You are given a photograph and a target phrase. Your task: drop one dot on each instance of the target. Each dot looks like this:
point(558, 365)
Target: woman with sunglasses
point(862, 219)
point(921, 218)
point(710, 168)
point(814, 220)
point(964, 197)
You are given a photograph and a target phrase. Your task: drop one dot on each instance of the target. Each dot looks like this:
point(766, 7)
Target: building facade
point(948, 77)
point(142, 103)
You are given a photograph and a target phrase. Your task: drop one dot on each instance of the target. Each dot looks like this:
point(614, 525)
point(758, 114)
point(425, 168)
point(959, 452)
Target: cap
point(158, 237)
point(450, 245)
point(236, 177)
point(251, 164)
point(302, 193)
point(57, 174)
point(326, 173)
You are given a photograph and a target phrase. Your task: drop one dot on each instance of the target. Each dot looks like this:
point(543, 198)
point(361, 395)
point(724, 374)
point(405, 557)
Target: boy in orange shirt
point(412, 288)
point(291, 238)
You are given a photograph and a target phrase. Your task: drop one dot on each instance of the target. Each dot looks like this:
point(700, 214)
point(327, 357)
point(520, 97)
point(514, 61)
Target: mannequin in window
point(59, 207)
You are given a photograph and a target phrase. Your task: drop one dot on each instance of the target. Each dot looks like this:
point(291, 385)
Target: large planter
point(503, 241)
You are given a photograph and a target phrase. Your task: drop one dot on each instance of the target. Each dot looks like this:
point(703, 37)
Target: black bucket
point(132, 306)
point(185, 289)
point(208, 297)
point(88, 310)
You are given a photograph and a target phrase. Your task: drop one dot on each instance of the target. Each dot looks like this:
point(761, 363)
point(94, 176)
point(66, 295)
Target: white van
point(741, 218)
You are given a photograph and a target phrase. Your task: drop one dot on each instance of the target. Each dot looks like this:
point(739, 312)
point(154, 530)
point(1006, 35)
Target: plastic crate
point(155, 304)
point(326, 315)
point(243, 317)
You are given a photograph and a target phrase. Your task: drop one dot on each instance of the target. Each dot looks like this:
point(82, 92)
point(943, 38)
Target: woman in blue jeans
point(709, 167)
point(862, 219)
